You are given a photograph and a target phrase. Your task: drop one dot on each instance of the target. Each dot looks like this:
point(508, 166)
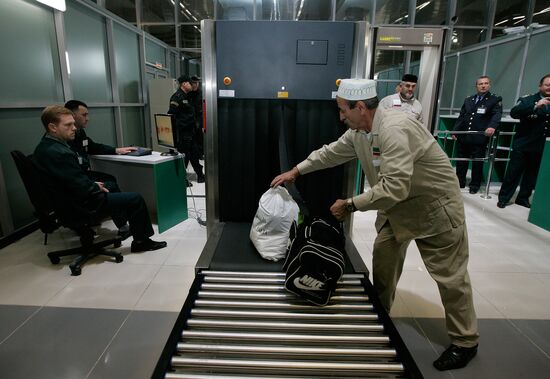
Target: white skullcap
point(357, 89)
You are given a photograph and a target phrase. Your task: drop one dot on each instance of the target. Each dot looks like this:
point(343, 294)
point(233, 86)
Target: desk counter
point(161, 180)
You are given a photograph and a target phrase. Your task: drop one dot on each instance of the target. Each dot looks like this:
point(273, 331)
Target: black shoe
point(124, 232)
point(473, 190)
point(523, 203)
point(501, 204)
point(146, 245)
point(462, 185)
point(200, 179)
point(455, 357)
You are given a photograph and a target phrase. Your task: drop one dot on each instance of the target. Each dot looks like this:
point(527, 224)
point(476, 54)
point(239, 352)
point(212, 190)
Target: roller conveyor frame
point(391, 346)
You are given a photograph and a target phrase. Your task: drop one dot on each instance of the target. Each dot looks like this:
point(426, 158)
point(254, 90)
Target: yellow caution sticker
point(282, 94)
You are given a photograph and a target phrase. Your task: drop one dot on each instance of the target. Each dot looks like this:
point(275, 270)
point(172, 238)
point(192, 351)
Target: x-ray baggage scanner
point(269, 89)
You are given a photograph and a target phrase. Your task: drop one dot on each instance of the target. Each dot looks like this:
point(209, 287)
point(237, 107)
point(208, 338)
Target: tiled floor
point(113, 320)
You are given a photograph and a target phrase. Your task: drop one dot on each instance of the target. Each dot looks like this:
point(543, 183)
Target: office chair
point(50, 220)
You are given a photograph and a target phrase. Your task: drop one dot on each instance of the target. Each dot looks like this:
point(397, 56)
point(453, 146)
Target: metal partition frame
point(209, 90)
point(430, 41)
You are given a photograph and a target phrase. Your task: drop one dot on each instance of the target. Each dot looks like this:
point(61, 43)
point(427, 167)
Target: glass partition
point(86, 39)
point(127, 64)
point(33, 61)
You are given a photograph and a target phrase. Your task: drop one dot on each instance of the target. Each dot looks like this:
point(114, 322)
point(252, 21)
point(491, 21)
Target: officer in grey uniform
point(415, 190)
point(480, 113)
point(533, 111)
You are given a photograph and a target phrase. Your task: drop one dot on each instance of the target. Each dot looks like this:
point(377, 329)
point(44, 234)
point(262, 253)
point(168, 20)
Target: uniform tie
point(478, 98)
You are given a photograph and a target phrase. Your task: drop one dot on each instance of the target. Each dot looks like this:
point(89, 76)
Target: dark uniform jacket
point(83, 145)
point(534, 125)
point(478, 117)
point(182, 108)
point(73, 193)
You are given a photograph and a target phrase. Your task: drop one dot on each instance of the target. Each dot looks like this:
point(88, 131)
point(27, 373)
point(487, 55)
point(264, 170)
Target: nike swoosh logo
point(301, 286)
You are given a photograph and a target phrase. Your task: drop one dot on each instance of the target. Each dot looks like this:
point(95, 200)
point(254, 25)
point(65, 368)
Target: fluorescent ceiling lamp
point(57, 4)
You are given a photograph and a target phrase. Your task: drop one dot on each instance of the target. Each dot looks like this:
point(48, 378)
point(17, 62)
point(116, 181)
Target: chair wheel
point(117, 244)
point(75, 271)
point(54, 260)
point(119, 258)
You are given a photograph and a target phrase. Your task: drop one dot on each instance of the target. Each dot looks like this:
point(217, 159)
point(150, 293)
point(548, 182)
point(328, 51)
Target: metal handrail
point(490, 156)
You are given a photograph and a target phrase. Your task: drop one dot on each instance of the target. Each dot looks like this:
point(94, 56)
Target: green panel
point(503, 67)
point(133, 128)
point(154, 53)
point(101, 127)
point(540, 214)
point(171, 193)
point(448, 82)
point(469, 69)
point(537, 64)
point(127, 65)
point(21, 130)
point(88, 58)
point(30, 62)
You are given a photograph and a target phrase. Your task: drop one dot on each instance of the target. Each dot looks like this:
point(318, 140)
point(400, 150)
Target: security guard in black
point(181, 106)
point(533, 111)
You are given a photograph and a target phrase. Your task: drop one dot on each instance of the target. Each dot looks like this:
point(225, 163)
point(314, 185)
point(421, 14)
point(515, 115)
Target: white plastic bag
point(269, 233)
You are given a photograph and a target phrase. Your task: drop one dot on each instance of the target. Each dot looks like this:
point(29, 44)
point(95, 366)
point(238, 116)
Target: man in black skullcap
point(404, 98)
point(181, 106)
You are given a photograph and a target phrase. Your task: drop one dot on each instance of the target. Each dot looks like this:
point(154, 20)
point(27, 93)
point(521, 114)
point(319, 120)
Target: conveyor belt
point(243, 324)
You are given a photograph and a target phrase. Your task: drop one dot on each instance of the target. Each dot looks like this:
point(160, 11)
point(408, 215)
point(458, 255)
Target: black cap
point(409, 78)
point(195, 79)
point(183, 79)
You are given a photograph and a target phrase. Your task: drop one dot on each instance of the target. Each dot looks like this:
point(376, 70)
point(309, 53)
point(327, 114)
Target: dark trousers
point(524, 166)
point(467, 150)
point(187, 145)
point(129, 207)
point(109, 182)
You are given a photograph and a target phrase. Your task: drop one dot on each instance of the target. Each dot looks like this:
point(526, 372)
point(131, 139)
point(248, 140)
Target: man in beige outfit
point(416, 192)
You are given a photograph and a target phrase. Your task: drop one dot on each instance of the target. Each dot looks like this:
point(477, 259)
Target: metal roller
point(285, 350)
point(283, 315)
point(335, 367)
point(269, 295)
point(249, 274)
point(284, 337)
point(281, 305)
point(269, 280)
point(265, 287)
point(265, 326)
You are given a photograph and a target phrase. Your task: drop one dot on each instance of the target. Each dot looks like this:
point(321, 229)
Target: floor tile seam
point(146, 287)
point(497, 309)
point(511, 322)
point(47, 302)
point(109, 343)
point(22, 324)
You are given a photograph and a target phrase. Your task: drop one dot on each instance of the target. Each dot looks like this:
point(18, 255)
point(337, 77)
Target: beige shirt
point(395, 101)
point(413, 185)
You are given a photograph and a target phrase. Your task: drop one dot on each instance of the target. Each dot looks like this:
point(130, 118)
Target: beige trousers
point(446, 258)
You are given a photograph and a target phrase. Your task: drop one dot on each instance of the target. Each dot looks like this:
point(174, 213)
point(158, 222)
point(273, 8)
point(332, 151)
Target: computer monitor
point(164, 125)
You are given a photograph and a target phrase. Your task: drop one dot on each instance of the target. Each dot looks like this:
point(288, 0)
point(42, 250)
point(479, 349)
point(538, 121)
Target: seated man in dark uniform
point(67, 183)
point(83, 145)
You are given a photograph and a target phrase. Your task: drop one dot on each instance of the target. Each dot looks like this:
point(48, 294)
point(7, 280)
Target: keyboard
point(141, 151)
